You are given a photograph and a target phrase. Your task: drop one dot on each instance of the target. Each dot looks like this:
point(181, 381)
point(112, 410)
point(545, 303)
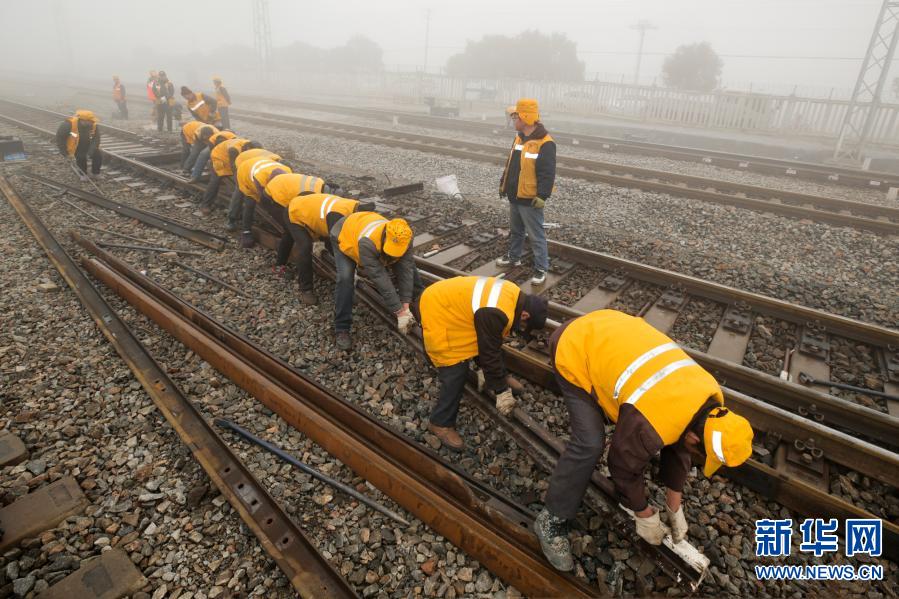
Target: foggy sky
point(104, 34)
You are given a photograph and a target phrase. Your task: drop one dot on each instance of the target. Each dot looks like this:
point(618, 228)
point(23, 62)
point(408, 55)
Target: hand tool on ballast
point(85, 177)
point(807, 379)
point(309, 470)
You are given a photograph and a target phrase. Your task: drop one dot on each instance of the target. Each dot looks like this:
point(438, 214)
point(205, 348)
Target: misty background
point(810, 47)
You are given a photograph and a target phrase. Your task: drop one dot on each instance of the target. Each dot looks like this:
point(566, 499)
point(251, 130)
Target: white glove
point(318, 248)
point(651, 529)
point(404, 322)
point(482, 380)
point(678, 524)
point(505, 402)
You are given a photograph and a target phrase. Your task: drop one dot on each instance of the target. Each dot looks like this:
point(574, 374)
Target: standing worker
point(78, 138)
point(201, 106)
point(118, 96)
point(164, 91)
point(223, 98)
point(379, 246)
point(610, 365)
point(527, 182)
point(468, 317)
point(221, 160)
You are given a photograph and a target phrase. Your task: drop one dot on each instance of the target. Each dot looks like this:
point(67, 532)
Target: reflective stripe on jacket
point(621, 359)
point(285, 188)
point(311, 211)
point(448, 312)
point(254, 174)
point(221, 161)
point(358, 226)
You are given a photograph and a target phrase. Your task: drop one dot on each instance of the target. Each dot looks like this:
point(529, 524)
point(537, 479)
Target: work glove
point(538, 203)
point(505, 402)
point(678, 524)
point(651, 529)
point(482, 380)
point(404, 321)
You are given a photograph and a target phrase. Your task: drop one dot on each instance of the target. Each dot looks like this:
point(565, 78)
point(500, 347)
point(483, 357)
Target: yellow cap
point(85, 115)
point(510, 110)
point(728, 440)
point(527, 110)
point(217, 78)
point(399, 234)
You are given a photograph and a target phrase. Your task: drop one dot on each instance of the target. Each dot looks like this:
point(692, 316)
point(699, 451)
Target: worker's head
point(534, 310)
point(251, 145)
point(186, 92)
point(397, 237)
point(526, 114)
point(115, 78)
point(153, 74)
point(217, 80)
point(205, 132)
point(722, 438)
point(162, 76)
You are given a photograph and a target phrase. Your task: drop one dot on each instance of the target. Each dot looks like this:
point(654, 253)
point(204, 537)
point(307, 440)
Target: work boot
point(246, 239)
point(553, 534)
point(343, 340)
point(448, 436)
point(308, 298)
point(231, 226)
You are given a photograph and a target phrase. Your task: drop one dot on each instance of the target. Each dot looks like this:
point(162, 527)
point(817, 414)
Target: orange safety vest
point(200, 109)
point(358, 226)
point(622, 359)
point(256, 170)
point(220, 97)
point(190, 129)
point(221, 161)
point(287, 187)
point(311, 211)
point(527, 177)
point(117, 94)
point(72, 140)
point(447, 315)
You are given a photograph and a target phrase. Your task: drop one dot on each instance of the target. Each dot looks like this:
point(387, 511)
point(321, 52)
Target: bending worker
point(252, 177)
point(468, 317)
point(309, 218)
point(194, 141)
point(223, 99)
point(201, 106)
point(527, 183)
point(379, 246)
point(237, 158)
point(78, 138)
point(616, 367)
point(220, 158)
point(276, 198)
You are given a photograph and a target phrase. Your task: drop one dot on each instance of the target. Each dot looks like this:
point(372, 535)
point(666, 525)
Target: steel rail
point(453, 510)
point(308, 572)
point(681, 186)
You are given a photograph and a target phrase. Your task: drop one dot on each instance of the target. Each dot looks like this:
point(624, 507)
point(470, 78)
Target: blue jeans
point(201, 161)
point(344, 290)
point(192, 154)
point(527, 219)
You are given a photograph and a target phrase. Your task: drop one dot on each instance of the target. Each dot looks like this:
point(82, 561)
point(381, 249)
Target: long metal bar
point(470, 524)
point(309, 573)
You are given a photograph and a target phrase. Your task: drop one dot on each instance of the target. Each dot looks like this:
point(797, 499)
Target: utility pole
point(262, 37)
point(642, 26)
point(424, 68)
point(865, 102)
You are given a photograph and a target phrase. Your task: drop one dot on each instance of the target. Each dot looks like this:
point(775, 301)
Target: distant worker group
point(611, 368)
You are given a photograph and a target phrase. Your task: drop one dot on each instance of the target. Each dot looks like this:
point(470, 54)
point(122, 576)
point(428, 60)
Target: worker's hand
point(678, 523)
point(482, 380)
point(651, 528)
point(404, 321)
point(505, 402)
point(538, 203)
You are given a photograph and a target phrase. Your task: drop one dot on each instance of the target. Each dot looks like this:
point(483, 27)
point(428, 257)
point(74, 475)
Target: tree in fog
point(693, 67)
point(358, 55)
point(530, 55)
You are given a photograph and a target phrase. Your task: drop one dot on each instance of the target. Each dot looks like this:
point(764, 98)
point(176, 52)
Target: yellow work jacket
point(256, 170)
point(311, 211)
point(72, 140)
point(190, 129)
point(220, 137)
point(117, 94)
point(221, 161)
point(200, 109)
point(254, 153)
point(286, 187)
point(358, 226)
point(527, 178)
point(623, 359)
point(447, 315)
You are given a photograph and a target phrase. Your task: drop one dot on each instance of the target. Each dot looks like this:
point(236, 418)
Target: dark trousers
point(163, 113)
point(96, 161)
point(572, 473)
point(235, 208)
point(301, 236)
point(123, 108)
point(452, 385)
point(226, 117)
point(247, 213)
point(212, 190)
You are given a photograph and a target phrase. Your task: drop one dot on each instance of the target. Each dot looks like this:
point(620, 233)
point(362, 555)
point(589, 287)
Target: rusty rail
point(309, 573)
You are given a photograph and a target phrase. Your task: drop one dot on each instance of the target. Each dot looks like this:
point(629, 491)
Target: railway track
point(788, 476)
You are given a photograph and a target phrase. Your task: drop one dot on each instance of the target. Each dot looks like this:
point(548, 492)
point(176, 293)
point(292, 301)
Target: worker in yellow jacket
point(616, 368)
point(468, 317)
point(235, 209)
point(78, 138)
point(223, 99)
point(252, 176)
point(224, 144)
point(378, 245)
